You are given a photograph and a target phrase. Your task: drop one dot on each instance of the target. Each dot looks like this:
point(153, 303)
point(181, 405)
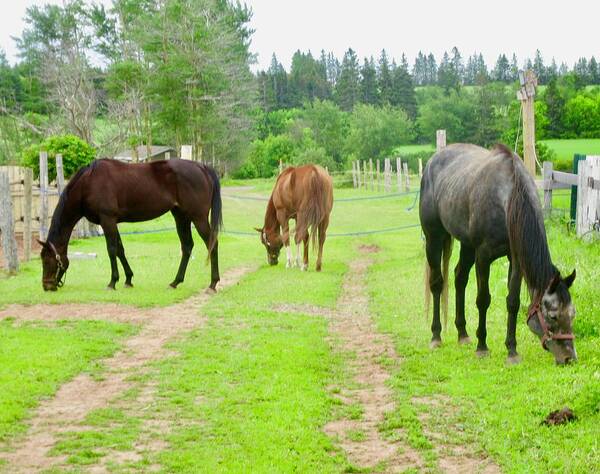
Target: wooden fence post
point(387, 177)
point(167, 155)
point(547, 187)
point(371, 173)
point(9, 243)
point(378, 175)
point(407, 188)
point(43, 195)
point(353, 175)
point(60, 174)
point(358, 173)
point(588, 195)
point(440, 139)
point(28, 198)
point(366, 183)
point(420, 168)
point(399, 174)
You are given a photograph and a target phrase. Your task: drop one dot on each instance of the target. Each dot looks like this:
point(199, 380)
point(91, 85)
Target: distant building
point(156, 153)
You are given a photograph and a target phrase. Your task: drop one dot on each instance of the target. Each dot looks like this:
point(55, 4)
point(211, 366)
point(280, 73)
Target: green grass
point(565, 149)
point(498, 408)
point(35, 359)
point(251, 390)
point(409, 149)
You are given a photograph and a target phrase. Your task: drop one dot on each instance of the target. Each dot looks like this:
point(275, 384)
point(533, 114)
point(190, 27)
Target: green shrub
point(75, 152)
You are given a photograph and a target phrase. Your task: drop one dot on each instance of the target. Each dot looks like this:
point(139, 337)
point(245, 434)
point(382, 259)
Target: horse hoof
point(513, 360)
point(464, 340)
point(110, 288)
point(482, 353)
point(210, 291)
point(435, 344)
point(128, 285)
point(304, 268)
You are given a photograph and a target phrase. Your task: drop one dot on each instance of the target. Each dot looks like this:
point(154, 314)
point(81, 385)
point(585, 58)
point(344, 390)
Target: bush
point(413, 159)
point(75, 152)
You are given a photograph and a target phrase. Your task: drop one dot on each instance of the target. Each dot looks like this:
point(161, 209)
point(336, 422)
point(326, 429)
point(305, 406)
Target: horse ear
point(570, 279)
point(42, 243)
point(554, 283)
point(258, 230)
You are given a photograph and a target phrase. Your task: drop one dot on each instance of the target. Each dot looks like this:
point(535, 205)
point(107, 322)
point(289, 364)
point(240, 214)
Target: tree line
point(145, 72)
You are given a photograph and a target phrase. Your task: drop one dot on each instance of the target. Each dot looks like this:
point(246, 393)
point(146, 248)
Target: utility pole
point(526, 94)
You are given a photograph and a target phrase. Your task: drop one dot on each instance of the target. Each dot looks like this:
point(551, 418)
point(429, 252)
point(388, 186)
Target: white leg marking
point(298, 263)
point(288, 252)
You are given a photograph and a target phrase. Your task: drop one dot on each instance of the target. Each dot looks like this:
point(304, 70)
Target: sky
point(560, 29)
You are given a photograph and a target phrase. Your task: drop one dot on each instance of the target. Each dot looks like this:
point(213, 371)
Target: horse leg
point(513, 303)
point(301, 235)
point(111, 234)
point(304, 266)
point(434, 248)
point(203, 228)
point(126, 268)
point(322, 235)
point(184, 231)
point(285, 237)
point(482, 267)
point(461, 278)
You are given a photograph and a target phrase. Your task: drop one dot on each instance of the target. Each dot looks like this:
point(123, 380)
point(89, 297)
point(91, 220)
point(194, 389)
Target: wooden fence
point(587, 196)
point(26, 208)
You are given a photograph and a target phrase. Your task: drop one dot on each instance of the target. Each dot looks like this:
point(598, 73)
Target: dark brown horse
point(108, 192)
point(305, 194)
point(488, 201)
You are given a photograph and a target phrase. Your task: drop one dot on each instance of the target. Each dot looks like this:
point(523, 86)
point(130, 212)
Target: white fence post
point(588, 195)
point(399, 174)
point(43, 195)
point(440, 140)
point(60, 174)
point(407, 176)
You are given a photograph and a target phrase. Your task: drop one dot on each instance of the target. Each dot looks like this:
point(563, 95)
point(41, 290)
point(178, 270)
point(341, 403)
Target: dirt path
point(75, 399)
point(354, 330)
point(373, 356)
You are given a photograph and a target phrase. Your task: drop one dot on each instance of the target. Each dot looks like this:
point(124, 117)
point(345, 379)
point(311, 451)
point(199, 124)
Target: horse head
point(272, 242)
point(54, 266)
point(550, 317)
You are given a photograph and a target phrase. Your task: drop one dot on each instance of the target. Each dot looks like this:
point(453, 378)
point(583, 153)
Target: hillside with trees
point(144, 72)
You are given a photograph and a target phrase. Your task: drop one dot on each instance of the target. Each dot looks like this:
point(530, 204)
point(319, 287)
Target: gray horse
point(488, 201)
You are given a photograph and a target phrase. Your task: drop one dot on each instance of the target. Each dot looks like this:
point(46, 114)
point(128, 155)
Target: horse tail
point(315, 204)
point(216, 209)
point(446, 254)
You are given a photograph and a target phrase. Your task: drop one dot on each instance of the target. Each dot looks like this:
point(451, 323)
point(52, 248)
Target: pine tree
point(420, 69)
point(348, 86)
point(384, 78)
point(594, 72)
point(539, 68)
point(403, 91)
point(432, 70)
point(501, 71)
point(333, 69)
point(514, 68)
point(369, 93)
point(457, 64)
point(447, 75)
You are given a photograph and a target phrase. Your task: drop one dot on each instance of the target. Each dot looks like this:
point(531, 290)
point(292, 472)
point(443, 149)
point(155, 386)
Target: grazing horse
point(489, 202)
point(305, 194)
point(108, 192)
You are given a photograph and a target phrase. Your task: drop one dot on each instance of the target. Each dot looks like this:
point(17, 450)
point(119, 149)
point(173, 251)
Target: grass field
point(565, 149)
point(251, 389)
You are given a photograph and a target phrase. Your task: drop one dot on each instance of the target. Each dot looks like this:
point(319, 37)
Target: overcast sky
point(560, 29)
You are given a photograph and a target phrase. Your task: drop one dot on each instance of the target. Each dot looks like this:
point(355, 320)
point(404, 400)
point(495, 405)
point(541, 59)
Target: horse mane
point(56, 222)
point(526, 231)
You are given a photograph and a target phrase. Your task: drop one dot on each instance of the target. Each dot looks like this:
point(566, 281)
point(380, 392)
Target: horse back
point(465, 190)
point(296, 187)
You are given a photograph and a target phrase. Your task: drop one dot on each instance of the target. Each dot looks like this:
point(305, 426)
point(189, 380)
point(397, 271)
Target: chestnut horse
point(108, 192)
point(305, 194)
